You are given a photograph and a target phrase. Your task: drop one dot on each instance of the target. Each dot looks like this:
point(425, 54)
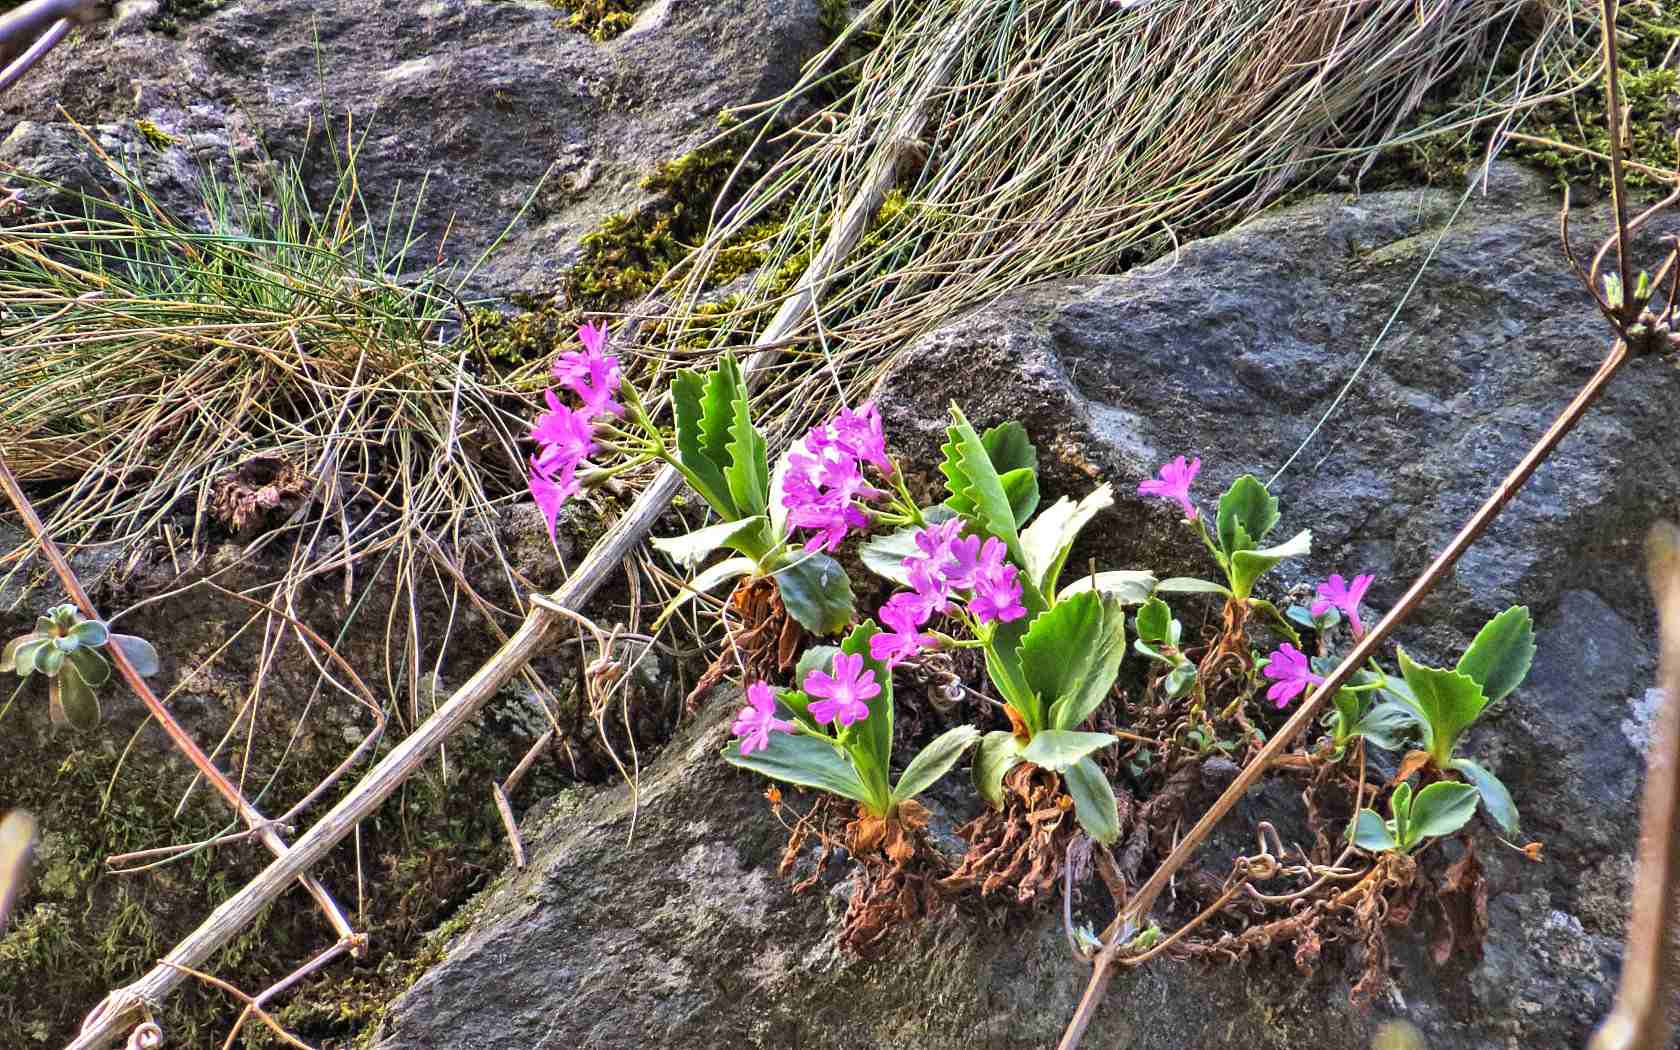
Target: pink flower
point(860, 436)
point(843, 694)
point(1174, 483)
point(1290, 674)
point(997, 588)
point(1344, 596)
point(947, 563)
point(904, 612)
point(564, 433)
point(549, 494)
point(756, 721)
point(593, 337)
point(592, 375)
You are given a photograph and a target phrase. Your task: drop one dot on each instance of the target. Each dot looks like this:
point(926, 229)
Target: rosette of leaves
point(725, 460)
point(1438, 705)
point(1157, 639)
point(65, 648)
point(1438, 809)
point(1054, 666)
point(852, 761)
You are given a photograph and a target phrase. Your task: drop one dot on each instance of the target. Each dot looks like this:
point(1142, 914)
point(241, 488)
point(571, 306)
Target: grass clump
point(1072, 140)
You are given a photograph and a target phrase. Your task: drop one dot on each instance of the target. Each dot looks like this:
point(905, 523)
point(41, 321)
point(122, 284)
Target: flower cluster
point(947, 563)
point(841, 698)
point(565, 434)
point(1288, 667)
point(825, 476)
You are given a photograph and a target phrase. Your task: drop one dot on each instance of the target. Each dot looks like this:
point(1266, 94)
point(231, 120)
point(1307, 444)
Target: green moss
point(601, 20)
point(1651, 93)
point(79, 930)
point(155, 136)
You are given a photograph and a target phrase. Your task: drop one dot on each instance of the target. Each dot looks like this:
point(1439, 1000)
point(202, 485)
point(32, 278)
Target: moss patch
point(1649, 34)
point(601, 20)
point(79, 931)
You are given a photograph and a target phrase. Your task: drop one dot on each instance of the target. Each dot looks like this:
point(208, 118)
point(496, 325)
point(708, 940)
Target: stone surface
point(476, 101)
point(682, 935)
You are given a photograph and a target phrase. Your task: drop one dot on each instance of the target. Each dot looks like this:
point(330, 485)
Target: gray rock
point(478, 102)
point(683, 935)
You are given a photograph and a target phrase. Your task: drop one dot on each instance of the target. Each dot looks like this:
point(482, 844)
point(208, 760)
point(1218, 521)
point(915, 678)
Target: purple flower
point(1174, 483)
point(860, 436)
point(947, 563)
point(1344, 596)
point(904, 612)
point(756, 721)
point(1290, 674)
point(997, 590)
point(592, 375)
point(820, 491)
point(844, 693)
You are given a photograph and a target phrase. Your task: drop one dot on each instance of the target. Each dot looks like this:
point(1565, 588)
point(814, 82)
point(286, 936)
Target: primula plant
point(839, 739)
point(65, 649)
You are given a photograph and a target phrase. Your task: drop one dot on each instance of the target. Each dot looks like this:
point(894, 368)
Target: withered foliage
point(763, 639)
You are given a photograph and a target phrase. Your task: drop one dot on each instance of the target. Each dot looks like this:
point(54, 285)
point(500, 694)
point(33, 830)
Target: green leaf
point(1048, 541)
point(691, 548)
point(1093, 801)
point(1499, 659)
point(717, 408)
point(9, 658)
point(1372, 833)
point(1021, 487)
point(1181, 679)
point(974, 484)
point(796, 758)
point(1191, 585)
point(90, 633)
point(870, 741)
point(1440, 809)
point(705, 474)
point(29, 653)
point(1387, 725)
point(778, 509)
point(1154, 623)
point(1058, 749)
point(723, 572)
point(816, 658)
point(999, 753)
point(1126, 586)
point(816, 592)
point(139, 652)
point(1400, 812)
point(1247, 512)
point(934, 761)
point(70, 701)
point(1249, 565)
point(91, 667)
point(748, 472)
point(1495, 796)
point(1071, 655)
point(1009, 448)
point(1447, 703)
point(49, 659)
